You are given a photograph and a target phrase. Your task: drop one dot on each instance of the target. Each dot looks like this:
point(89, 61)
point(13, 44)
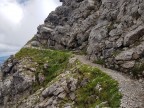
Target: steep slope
point(109, 32)
point(132, 90)
point(43, 78)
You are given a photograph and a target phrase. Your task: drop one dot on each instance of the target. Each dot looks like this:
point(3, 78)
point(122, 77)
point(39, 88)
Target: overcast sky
point(19, 20)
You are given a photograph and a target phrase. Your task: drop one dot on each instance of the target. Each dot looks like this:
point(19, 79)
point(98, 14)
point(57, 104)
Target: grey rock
point(62, 95)
point(100, 27)
point(96, 27)
point(68, 107)
point(109, 44)
point(126, 55)
point(84, 82)
point(49, 91)
point(128, 64)
point(108, 52)
point(119, 42)
point(35, 43)
point(133, 35)
point(97, 34)
point(115, 32)
point(46, 65)
point(73, 84)
point(72, 96)
point(58, 91)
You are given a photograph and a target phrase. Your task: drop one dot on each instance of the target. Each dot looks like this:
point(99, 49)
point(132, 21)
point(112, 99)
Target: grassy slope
point(87, 96)
point(56, 61)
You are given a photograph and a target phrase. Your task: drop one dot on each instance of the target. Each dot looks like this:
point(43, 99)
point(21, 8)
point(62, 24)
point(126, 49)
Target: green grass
point(137, 70)
point(89, 97)
point(115, 53)
point(99, 61)
point(86, 96)
point(56, 60)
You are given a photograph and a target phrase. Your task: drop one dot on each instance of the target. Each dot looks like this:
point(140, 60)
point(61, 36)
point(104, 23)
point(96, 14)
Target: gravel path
point(132, 90)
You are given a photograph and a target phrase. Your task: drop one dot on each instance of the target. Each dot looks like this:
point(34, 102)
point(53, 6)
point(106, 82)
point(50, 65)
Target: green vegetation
point(100, 89)
point(137, 70)
point(116, 52)
point(100, 61)
point(56, 61)
point(110, 26)
point(90, 95)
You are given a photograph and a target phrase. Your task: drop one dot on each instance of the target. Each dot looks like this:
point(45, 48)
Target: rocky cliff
point(108, 32)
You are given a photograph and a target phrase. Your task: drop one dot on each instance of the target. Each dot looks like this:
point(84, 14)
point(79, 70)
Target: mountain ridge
point(112, 37)
point(45, 73)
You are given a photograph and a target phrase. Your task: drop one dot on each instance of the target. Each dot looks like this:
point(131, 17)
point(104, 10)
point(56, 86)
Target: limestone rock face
point(106, 29)
point(17, 80)
point(110, 32)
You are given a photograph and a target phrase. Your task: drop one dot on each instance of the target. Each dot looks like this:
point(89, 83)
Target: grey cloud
point(13, 36)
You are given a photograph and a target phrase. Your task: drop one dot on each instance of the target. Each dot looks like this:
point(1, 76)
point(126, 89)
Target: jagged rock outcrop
point(110, 31)
point(74, 85)
point(16, 81)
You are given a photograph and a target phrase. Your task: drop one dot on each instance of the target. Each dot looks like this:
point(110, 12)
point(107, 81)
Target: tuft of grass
point(89, 97)
point(115, 53)
point(110, 26)
point(55, 59)
point(137, 70)
point(99, 61)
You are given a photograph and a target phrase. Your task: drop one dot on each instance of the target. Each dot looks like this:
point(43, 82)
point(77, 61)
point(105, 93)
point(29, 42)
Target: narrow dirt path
point(132, 90)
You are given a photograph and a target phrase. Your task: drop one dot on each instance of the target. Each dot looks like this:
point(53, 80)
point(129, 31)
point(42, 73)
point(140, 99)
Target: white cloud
point(11, 11)
point(7, 49)
point(18, 22)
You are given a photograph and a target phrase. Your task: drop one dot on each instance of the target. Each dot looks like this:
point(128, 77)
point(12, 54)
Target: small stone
point(98, 87)
point(62, 95)
point(72, 96)
point(46, 66)
point(67, 107)
point(84, 82)
point(128, 64)
point(41, 78)
point(50, 101)
point(73, 83)
point(135, 56)
point(49, 91)
point(58, 91)
point(72, 60)
point(55, 102)
point(125, 55)
point(119, 42)
point(64, 83)
point(33, 69)
point(35, 43)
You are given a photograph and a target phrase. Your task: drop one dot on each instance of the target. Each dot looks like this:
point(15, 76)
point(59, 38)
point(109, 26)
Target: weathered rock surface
point(110, 32)
point(106, 29)
point(16, 80)
point(53, 94)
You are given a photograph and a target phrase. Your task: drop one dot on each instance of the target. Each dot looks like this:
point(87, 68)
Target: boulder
point(128, 64)
point(35, 43)
point(125, 55)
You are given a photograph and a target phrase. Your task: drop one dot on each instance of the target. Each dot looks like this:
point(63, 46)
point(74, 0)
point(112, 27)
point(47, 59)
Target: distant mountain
point(2, 59)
